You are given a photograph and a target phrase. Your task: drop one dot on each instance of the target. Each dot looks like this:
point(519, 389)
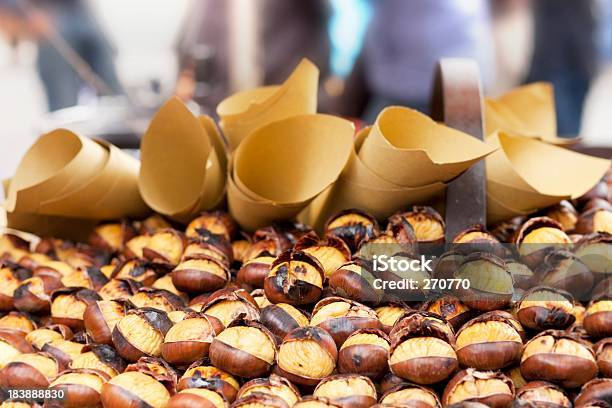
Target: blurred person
point(76, 26)
point(286, 31)
point(565, 54)
point(403, 44)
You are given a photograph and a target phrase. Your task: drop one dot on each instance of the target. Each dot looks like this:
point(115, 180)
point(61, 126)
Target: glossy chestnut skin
point(132, 389)
point(603, 352)
point(409, 395)
point(33, 295)
point(542, 393)
point(200, 273)
point(354, 280)
point(200, 375)
point(77, 387)
point(101, 317)
point(341, 317)
point(295, 278)
point(352, 226)
point(29, 370)
point(229, 304)
point(144, 323)
point(68, 306)
point(563, 270)
point(347, 390)
point(299, 368)
point(544, 358)
point(100, 357)
point(331, 252)
point(143, 271)
point(12, 343)
point(259, 399)
point(595, 220)
point(245, 348)
point(598, 317)
point(495, 390)
point(488, 342)
point(543, 308)
point(597, 390)
point(253, 272)
point(364, 352)
point(537, 236)
point(485, 294)
point(282, 318)
point(273, 385)
point(196, 397)
point(189, 340)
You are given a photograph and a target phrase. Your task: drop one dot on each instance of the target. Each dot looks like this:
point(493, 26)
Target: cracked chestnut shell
point(68, 306)
point(410, 395)
point(64, 351)
point(160, 299)
point(347, 390)
point(477, 238)
point(12, 343)
point(565, 214)
point(29, 370)
point(10, 282)
point(245, 348)
point(537, 236)
point(134, 389)
point(281, 318)
point(229, 304)
point(197, 397)
point(141, 333)
point(260, 400)
point(18, 321)
point(364, 352)
point(593, 392)
point(32, 295)
point(90, 278)
point(216, 222)
point(594, 251)
point(389, 314)
point(138, 270)
point(563, 270)
point(595, 220)
point(543, 394)
point(81, 388)
point(165, 247)
point(341, 317)
point(522, 275)
point(598, 317)
point(491, 286)
point(295, 278)
point(422, 348)
point(447, 264)
point(353, 227)
point(543, 308)
point(274, 385)
point(316, 402)
point(355, 280)
point(253, 272)
point(427, 223)
point(331, 252)
point(488, 342)
point(118, 289)
point(199, 375)
point(201, 273)
point(559, 357)
point(603, 351)
point(490, 388)
point(158, 369)
point(306, 356)
point(189, 340)
point(101, 317)
point(99, 357)
point(450, 308)
point(210, 245)
point(111, 237)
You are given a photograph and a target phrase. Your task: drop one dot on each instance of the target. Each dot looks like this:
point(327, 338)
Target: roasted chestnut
point(522, 275)
point(253, 272)
point(331, 252)
point(427, 223)
point(488, 342)
point(157, 368)
point(10, 282)
point(274, 385)
point(598, 317)
point(352, 226)
point(603, 351)
point(364, 352)
point(447, 264)
point(216, 222)
point(200, 274)
point(29, 370)
point(564, 270)
point(132, 389)
point(537, 237)
point(450, 308)
point(189, 340)
point(490, 388)
point(245, 348)
point(210, 246)
point(101, 317)
point(68, 306)
point(595, 391)
point(160, 299)
point(355, 280)
point(197, 397)
point(559, 357)
point(543, 308)
point(260, 298)
point(341, 317)
point(165, 247)
point(389, 314)
point(111, 237)
point(32, 295)
point(490, 282)
point(295, 278)
point(141, 333)
point(282, 318)
point(12, 343)
point(117, 289)
point(99, 357)
point(21, 322)
point(422, 348)
point(209, 377)
point(307, 355)
point(316, 402)
point(138, 270)
point(240, 248)
point(89, 278)
point(595, 220)
point(165, 283)
point(260, 400)
point(543, 394)
point(347, 390)
point(64, 351)
point(81, 388)
point(514, 373)
point(594, 251)
point(410, 395)
point(227, 305)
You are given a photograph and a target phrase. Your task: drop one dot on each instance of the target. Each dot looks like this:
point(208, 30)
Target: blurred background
point(104, 66)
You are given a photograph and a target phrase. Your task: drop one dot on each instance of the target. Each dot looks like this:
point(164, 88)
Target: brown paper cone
point(519, 199)
point(409, 149)
point(59, 162)
point(244, 112)
point(175, 155)
point(112, 193)
point(498, 212)
point(528, 110)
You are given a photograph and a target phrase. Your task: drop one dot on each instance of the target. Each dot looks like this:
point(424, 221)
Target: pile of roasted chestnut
point(146, 315)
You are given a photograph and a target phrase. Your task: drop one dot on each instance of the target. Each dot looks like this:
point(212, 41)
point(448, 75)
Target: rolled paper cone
point(291, 161)
point(58, 163)
point(547, 169)
point(75, 229)
point(498, 212)
point(173, 152)
point(521, 200)
point(409, 149)
point(245, 112)
point(216, 138)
